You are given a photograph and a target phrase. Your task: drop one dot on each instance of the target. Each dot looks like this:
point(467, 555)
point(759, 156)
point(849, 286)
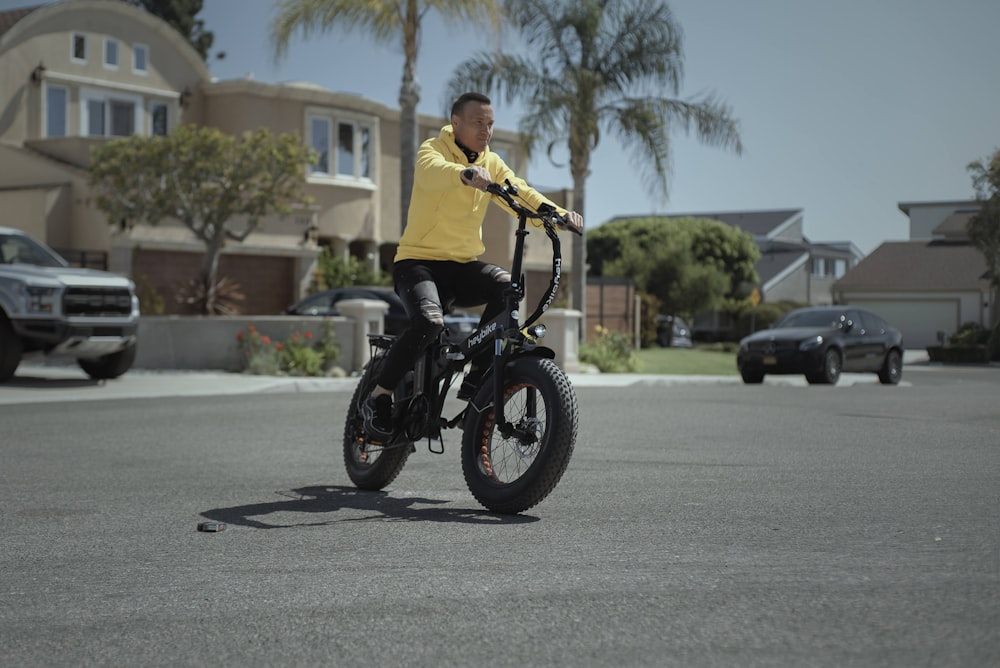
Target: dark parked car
point(673, 332)
point(821, 342)
point(459, 323)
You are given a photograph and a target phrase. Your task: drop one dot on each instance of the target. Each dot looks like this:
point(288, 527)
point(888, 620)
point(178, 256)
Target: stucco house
point(791, 267)
point(82, 72)
point(929, 285)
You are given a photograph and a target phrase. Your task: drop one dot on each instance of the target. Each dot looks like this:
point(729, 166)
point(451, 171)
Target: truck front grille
point(108, 302)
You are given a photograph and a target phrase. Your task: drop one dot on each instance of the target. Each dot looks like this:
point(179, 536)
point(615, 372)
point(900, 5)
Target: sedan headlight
point(811, 343)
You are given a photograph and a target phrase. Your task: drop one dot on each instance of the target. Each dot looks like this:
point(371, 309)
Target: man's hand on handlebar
point(477, 177)
point(480, 178)
point(574, 221)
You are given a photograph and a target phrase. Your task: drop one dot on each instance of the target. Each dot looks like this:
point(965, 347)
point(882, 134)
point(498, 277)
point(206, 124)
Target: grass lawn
point(687, 361)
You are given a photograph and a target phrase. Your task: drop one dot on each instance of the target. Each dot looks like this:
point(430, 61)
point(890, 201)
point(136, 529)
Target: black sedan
point(459, 323)
point(821, 342)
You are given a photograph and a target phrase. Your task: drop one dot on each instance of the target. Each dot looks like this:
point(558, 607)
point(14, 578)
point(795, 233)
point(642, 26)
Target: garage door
point(920, 321)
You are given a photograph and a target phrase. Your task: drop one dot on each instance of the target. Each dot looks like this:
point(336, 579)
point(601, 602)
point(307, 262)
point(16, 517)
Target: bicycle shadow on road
point(320, 499)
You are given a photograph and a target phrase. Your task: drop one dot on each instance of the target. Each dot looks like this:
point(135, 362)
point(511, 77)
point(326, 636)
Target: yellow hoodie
point(445, 220)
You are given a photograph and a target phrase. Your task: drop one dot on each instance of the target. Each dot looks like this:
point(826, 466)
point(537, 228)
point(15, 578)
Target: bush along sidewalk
point(611, 352)
point(971, 344)
point(302, 354)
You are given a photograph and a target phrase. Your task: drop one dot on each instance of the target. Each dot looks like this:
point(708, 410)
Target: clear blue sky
point(846, 108)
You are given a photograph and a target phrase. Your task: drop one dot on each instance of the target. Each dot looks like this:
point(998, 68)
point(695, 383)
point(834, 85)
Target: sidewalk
point(39, 383)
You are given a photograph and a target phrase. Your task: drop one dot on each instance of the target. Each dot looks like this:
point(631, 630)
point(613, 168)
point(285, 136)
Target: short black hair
point(464, 98)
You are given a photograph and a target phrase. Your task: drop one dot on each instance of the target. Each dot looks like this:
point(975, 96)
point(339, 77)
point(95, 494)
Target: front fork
point(507, 429)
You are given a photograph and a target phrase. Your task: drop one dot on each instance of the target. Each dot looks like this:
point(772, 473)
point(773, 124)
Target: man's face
point(473, 125)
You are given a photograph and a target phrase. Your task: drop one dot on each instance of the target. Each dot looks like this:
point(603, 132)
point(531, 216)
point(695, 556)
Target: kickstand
point(430, 445)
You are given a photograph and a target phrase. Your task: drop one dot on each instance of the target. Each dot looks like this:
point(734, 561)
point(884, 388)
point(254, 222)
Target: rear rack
point(380, 342)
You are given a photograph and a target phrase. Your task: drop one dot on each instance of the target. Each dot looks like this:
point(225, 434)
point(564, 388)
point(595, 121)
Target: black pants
point(430, 287)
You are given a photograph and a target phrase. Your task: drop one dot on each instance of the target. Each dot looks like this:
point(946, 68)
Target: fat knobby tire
point(382, 465)
point(483, 445)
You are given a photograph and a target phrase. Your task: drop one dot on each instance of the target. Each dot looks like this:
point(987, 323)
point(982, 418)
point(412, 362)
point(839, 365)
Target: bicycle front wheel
point(512, 467)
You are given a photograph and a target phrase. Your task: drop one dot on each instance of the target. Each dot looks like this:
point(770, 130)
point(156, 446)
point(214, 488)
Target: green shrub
point(301, 355)
point(611, 352)
point(970, 334)
point(959, 355)
point(337, 272)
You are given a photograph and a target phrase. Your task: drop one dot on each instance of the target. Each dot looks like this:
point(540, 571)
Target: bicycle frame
point(420, 411)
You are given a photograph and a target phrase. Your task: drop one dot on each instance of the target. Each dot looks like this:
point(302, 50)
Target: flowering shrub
point(302, 355)
point(611, 352)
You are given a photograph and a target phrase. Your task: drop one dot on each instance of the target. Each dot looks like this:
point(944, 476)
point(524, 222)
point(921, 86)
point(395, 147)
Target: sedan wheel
point(830, 373)
point(892, 369)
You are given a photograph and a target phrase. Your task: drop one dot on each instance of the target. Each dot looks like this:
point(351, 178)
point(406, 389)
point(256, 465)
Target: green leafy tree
point(337, 272)
point(593, 66)
point(394, 22)
point(689, 264)
point(181, 14)
point(984, 233)
point(984, 228)
point(217, 185)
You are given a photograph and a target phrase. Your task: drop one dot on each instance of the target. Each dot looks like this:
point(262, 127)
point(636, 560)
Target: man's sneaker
point(470, 384)
point(377, 415)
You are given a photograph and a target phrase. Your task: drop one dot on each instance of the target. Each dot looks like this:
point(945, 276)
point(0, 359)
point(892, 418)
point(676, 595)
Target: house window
point(353, 150)
point(140, 58)
point(839, 268)
point(345, 147)
point(819, 266)
point(79, 47)
point(158, 119)
point(55, 111)
point(319, 140)
point(104, 115)
point(111, 54)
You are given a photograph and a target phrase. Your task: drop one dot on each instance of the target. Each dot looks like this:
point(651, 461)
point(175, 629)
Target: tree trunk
point(579, 301)
point(409, 97)
point(209, 271)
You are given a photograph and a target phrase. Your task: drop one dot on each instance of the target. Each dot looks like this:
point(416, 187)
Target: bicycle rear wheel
point(370, 466)
point(513, 472)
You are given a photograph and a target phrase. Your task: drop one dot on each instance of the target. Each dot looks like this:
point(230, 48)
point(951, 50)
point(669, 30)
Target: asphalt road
point(699, 524)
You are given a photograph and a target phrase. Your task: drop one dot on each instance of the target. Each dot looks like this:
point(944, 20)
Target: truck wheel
point(10, 350)
point(109, 366)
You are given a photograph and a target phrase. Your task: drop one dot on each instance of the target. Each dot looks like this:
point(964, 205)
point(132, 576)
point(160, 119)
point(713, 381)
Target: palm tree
point(387, 21)
point(590, 65)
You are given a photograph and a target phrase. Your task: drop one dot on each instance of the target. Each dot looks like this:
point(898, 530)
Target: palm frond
point(383, 19)
point(509, 77)
point(640, 124)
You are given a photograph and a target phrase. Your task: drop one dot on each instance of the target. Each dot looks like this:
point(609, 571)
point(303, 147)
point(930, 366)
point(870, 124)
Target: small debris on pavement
point(211, 526)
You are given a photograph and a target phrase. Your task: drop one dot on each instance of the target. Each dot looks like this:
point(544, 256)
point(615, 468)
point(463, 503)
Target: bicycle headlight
point(537, 331)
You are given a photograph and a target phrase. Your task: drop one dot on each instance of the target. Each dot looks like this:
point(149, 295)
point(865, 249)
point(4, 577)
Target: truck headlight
point(40, 299)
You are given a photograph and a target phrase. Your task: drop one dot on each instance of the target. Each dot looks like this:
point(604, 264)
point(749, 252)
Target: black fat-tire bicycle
point(519, 427)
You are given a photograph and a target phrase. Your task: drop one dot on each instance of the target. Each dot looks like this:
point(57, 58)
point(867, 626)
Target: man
point(436, 263)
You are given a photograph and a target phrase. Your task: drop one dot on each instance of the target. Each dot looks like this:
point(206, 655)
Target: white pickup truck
point(50, 308)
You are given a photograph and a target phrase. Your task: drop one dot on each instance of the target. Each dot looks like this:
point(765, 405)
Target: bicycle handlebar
point(544, 213)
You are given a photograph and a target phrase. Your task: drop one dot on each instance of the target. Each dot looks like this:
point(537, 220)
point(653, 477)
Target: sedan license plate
point(770, 360)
